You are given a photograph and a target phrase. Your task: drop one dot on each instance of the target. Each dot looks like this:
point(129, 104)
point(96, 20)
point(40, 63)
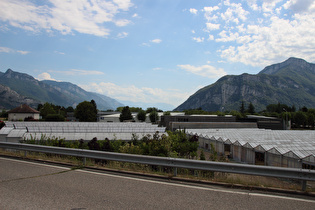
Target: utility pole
point(286, 118)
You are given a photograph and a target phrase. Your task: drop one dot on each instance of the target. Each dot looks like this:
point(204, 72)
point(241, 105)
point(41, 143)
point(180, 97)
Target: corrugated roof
point(286, 142)
point(81, 130)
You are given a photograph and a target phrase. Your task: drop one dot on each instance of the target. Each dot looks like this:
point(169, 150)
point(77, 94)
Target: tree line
point(86, 111)
point(300, 118)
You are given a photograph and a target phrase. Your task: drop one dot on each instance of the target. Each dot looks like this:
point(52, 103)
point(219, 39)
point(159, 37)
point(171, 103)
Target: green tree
point(46, 109)
point(237, 114)
point(152, 109)
point(132, 109)
point(141, 116)
point(70, 109)
point(182, 145)
point(4, 114)
point(125, 114)
point(310, 119)
point(202, 155)
point(251, 108)
point(55, 117)
point(242, 108)
point(153, 116)
point(304, 109)
point(300, 119)
point(39, 107)
point(94, 105)
point(86, 112)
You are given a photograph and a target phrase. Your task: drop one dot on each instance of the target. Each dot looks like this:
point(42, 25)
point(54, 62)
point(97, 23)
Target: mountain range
point(291, 82)
point(19, 88)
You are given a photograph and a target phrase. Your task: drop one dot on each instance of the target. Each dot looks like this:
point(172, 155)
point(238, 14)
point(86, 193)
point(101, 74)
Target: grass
point(231, 180)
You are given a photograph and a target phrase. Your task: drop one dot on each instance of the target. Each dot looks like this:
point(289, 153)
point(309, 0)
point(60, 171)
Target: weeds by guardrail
point(290, 173)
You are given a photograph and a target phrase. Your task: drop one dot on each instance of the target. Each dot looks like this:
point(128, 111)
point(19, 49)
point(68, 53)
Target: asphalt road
point(29, 185)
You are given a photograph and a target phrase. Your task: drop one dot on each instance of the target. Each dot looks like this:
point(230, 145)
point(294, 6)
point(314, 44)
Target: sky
point(152, 51)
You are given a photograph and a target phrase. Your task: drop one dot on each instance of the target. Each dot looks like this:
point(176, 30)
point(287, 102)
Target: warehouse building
point(182, 121)
point(284, 148)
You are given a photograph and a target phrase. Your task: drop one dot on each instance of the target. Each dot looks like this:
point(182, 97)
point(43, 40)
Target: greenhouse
point(285, 148)
point(17, 131)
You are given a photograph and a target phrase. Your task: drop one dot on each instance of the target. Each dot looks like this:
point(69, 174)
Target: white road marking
point(167, 183)
point(200, 188)
point(33, 163)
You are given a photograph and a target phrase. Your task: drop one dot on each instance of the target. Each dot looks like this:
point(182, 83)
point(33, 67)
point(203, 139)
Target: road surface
point(31, 185)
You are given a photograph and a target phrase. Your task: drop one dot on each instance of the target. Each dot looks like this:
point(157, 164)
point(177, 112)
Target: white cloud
point(211, 37)
point(84, 72)
point(270, 5)
point(209, 13)
point(122, 35)
point(66, 17)
point(145, 44)
point(253, 5)
point(123, 4)
point(279, 40)
point(78, 72)
point(6, 50)
point(10, 50)
point(157, 41)
point(272, 32)
point(212, 26)
point(122, 22)
point(45, 76)
point(23, 52)
point(209, 10)
point(193, 11)
point(138, 94)
point(227, 38)
point(198, 39)
point(300, 6)
point(61, 53)
point(204, 71)
point(234, 13)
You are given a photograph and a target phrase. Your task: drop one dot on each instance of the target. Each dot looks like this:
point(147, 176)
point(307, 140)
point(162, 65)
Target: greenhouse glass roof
point(80, 130)
point(301, 143)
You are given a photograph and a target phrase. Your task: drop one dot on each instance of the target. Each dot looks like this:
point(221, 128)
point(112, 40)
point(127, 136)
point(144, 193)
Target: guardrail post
point(84, 161)
point(303, 185)
point(25, 153)
point(175, 171)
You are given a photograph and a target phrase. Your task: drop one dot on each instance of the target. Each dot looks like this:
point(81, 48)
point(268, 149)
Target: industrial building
point(182, 121)
point(284, 148)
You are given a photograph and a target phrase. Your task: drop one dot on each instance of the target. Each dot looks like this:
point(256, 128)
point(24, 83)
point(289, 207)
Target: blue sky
point(151, 51)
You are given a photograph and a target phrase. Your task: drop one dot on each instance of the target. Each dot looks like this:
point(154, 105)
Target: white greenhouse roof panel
point(287, 142)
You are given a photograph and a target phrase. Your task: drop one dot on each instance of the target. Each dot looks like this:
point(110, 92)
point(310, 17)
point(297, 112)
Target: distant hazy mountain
point(76, 93)
point(162, 106)
point(9, 98)
point(291, 82)
point(18, 88)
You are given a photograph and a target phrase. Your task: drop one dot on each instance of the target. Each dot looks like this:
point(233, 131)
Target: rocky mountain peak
point(16, 75)
point(297, 63)
point(290, 82)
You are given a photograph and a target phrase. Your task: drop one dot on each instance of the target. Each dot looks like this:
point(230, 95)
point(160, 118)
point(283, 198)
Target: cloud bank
point(258, 33)
point(66, 17)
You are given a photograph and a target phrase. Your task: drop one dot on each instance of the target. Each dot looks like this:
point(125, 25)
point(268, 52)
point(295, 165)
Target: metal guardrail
point(291, 173)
